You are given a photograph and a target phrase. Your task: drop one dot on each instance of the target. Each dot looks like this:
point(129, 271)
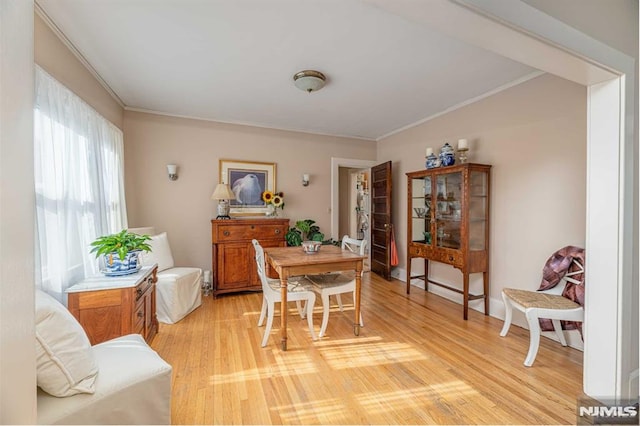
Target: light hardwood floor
point(415, 362)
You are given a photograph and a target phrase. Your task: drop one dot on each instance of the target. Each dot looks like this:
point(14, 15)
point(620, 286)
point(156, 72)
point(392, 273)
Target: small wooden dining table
point(291, 261)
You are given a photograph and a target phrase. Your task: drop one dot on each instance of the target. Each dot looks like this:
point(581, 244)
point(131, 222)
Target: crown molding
point(63, 38)
point(462, 104)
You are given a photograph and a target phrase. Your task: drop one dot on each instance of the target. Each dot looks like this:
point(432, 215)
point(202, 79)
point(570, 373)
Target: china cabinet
point(448, 222)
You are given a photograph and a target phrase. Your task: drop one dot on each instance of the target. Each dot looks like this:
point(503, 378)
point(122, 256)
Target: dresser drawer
point(143, 287)
point(139, 317)
point(450, 257)
point(226, 233)
point(416, 250)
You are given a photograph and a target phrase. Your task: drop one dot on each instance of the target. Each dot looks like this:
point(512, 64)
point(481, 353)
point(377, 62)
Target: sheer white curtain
point(79, 176)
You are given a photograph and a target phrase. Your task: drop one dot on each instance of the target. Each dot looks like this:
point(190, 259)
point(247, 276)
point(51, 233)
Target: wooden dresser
point(109, 307)
point(233, 256)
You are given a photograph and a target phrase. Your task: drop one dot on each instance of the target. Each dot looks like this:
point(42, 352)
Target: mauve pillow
point(65, 364)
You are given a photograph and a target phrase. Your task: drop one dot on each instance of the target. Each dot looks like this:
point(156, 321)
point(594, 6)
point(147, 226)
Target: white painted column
point(17, 347)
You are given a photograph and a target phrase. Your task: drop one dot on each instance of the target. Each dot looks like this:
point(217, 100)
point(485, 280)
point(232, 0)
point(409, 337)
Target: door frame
point(336, 163)
point(351, 163)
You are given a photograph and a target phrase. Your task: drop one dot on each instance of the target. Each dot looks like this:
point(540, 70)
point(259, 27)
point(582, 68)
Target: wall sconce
point(172, 170)
point(305, 179)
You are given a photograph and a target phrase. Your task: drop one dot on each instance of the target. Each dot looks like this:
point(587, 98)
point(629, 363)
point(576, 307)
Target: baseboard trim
point(496, 309)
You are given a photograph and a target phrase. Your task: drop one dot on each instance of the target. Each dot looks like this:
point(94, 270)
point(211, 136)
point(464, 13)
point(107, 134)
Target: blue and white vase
point(432, 161)
point(113, 266)
point(447, 157)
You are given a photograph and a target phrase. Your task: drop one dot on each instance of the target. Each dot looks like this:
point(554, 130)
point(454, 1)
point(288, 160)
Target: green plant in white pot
point(120, 251)
point(304, 230)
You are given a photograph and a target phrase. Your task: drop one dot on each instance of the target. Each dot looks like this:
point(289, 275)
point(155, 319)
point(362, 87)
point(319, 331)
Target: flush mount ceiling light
point(309, 80)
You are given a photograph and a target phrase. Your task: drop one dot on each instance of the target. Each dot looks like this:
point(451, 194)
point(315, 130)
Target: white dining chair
point(298, 289)
point(337, 283)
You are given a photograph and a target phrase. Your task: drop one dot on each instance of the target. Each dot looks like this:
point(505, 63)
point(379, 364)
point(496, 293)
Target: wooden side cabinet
point(233, 256)
point(109, 307)
point(448, 222)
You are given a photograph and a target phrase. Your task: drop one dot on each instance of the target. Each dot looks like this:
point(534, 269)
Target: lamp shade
point(223, 192)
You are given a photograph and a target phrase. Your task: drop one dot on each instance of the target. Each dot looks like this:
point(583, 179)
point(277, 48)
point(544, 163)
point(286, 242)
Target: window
point(79, 182)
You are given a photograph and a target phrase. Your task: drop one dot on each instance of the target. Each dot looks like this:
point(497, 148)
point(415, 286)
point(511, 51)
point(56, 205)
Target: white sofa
point(120, 381)
point(179, 289)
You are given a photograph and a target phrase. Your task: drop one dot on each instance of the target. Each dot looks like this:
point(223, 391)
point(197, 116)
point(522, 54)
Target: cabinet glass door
point(448, 192)
point(421, 210)
point(478, 214)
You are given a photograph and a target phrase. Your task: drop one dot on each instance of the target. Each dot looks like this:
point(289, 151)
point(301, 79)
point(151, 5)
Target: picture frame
point(248, 180)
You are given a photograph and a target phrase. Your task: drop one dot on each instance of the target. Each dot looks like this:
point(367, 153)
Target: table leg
point(356, 302)
point(284, 277)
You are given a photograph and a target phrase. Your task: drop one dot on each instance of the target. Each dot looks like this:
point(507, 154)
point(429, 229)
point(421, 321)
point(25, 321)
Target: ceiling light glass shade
point(223, 192)
point(309, 80)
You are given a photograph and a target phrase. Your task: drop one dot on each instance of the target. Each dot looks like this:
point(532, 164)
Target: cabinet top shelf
point(102, 282)
point(450, 169)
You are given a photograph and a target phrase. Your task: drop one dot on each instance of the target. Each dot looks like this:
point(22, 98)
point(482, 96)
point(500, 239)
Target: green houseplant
point(304, 230)
point(120, 251)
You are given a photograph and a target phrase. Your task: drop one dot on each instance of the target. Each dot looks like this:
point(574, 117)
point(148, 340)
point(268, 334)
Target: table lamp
point(223, 194)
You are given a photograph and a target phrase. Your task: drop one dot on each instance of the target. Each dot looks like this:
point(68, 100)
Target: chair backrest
point(262, 273)
point(559, 288)
point(354, 245)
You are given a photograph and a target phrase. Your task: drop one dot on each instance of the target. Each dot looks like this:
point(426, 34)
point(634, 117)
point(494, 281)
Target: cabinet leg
point(426, 275)
point(485, 282)
point(408, 274)
point(465, 294)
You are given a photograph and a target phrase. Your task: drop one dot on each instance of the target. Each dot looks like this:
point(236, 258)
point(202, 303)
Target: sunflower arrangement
point(274, 198)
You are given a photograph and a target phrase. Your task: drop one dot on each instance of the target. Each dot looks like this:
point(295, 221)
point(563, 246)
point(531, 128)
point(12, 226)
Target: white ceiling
point(233, 61)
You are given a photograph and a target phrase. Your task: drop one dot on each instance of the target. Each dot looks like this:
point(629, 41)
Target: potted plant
point(304, 230)
point(120, 251)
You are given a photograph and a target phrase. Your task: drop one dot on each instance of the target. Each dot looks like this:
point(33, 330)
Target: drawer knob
point(253, 227)
point(277, 231)
point(139, 292)
point(450, 258)
point(226, 233)
point(140, 314)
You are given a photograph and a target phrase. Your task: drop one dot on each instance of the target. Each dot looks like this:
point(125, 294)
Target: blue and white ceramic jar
point(447, 155)
point(432, 161)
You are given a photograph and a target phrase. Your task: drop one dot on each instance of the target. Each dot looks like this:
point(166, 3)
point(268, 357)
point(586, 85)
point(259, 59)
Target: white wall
point(184, 208)
point(615, 22)
point(17, 348)
point(534, 136)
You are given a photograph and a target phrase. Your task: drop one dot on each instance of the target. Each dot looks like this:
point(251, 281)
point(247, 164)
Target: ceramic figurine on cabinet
point(432, 159)
point(447, 157)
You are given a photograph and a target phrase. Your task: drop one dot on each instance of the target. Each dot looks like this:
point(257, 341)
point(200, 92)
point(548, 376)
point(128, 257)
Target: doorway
point(350, 206)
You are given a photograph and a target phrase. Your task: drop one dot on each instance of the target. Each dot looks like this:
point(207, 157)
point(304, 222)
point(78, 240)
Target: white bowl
point(311, 247)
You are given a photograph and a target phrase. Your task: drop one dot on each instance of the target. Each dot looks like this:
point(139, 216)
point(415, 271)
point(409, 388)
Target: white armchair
point(120, 381)
point(178, 290)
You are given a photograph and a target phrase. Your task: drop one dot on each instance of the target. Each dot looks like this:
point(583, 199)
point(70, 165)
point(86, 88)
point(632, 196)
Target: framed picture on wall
point(248, 180)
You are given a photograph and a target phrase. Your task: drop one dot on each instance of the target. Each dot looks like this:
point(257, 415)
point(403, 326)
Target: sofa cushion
point(65, 362)
point(160, 253)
